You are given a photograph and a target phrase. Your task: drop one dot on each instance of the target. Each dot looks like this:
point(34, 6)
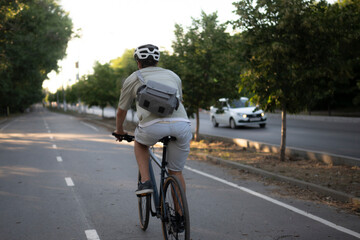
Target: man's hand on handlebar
point(120, 137)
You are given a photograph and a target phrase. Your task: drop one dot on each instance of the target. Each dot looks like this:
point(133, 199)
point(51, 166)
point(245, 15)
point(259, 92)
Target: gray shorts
point(178, 150)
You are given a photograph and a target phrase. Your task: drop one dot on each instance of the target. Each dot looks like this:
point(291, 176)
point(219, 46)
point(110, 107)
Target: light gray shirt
point(164, 76)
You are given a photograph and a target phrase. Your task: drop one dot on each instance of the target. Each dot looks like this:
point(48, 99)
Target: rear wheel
point(262, 125)
point(144, 208)
point(174, 211)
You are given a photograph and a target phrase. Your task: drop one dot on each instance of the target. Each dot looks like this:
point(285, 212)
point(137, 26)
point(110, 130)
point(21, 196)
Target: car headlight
point(242, 115)
point(262, 114)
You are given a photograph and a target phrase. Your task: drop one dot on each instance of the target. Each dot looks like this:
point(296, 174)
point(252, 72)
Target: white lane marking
point(54, 146)
point(48, 131)
point(69, 182)
point(90, 126)
point(281, 204)
point(92, 234)
point(5, 126)
point(59, 159)
point(51, 137)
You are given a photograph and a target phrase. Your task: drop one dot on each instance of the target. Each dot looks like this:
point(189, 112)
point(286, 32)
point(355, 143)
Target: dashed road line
point(69, 182)
point(54, 146)
point(281, 204)
point(59, 159)
point(90, 126)
point(91, 234)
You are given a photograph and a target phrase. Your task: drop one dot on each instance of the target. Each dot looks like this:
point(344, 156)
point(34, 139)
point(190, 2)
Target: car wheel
point(262, 125)
point(215, 124)
point(232, 123)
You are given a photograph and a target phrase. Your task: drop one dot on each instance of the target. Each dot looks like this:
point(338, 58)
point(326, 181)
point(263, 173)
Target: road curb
point(330, 159)
point(340, 196)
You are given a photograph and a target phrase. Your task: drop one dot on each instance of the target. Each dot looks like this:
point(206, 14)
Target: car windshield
point(240, 103)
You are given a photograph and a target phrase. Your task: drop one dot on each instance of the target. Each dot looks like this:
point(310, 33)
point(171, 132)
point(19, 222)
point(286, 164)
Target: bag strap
point(138, 73)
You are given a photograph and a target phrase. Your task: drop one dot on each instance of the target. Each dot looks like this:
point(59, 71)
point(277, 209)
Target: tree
point(275, 34)
point(333, 53)
point(124, 66)
point(33, 37)
point(99, 88)
point(205, 64)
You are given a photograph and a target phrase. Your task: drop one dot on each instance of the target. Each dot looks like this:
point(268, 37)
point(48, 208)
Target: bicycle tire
point(144, 209)
point(169, 227)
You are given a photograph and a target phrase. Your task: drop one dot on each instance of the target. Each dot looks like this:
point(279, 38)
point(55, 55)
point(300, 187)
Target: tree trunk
point(102, 112)
point(196, 137)
point(57, 100)
point(283, 134)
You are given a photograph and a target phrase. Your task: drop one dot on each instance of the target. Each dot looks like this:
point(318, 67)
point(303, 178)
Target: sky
point(109, 27)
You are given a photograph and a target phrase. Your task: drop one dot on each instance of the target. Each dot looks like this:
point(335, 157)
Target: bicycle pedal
point(143, 194)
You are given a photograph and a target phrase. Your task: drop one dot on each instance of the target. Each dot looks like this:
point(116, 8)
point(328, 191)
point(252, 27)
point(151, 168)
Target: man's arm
point(120, 118)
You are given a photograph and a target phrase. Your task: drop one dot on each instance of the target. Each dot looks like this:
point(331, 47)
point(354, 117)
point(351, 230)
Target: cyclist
point(151, 127)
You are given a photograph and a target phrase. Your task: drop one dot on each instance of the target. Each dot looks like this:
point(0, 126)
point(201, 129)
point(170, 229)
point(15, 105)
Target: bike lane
point(101, 203)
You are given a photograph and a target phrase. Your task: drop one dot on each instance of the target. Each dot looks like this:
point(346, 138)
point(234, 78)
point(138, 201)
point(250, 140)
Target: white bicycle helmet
point(144, 51)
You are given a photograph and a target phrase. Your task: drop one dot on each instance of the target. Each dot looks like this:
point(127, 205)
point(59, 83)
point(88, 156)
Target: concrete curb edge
point(327, 158)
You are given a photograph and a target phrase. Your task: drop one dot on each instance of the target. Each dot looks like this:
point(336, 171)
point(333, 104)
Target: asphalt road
point(321, 134)
point(61, 178)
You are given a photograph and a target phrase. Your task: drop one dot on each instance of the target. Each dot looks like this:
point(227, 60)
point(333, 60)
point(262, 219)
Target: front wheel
point(232, 123)
point(144, 208)
point(214, 123)
point(174, 211)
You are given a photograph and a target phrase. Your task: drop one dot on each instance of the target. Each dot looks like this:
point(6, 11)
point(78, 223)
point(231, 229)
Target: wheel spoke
point(178, 225)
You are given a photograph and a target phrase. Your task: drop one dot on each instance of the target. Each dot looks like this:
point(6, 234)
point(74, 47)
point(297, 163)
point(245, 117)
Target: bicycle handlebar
point(131, 138)
point(126, 137)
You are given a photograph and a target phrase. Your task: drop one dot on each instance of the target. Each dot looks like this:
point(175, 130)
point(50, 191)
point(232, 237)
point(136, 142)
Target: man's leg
point(180, 176)
point(142, 158)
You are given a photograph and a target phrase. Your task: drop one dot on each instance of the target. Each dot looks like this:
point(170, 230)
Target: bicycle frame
point(161, 165)
point(168, 212)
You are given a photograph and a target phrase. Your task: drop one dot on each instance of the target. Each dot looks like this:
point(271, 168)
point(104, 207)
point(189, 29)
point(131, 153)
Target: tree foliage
point(102, 87)
point(33, 37)
point(298, 52)
point(99, 88)
point(204, 61)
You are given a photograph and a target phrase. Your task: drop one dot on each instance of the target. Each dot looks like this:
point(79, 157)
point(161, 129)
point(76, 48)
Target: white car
point(238, 112)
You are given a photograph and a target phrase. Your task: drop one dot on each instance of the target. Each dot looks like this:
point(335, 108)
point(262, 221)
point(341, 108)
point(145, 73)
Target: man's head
point(147, 55)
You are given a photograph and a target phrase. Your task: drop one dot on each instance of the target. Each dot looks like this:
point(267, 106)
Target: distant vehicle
point(237, 112)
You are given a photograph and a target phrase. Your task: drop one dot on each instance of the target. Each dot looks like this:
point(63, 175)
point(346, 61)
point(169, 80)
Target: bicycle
point(169, 199)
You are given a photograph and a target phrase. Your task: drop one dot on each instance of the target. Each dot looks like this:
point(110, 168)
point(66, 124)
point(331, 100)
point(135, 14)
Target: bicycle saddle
point(167, 139)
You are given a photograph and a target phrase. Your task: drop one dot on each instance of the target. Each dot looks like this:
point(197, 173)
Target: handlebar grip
point(126, 137)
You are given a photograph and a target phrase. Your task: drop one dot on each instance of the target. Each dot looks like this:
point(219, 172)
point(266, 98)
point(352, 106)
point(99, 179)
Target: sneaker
point(144, 188)
point(178, 222)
